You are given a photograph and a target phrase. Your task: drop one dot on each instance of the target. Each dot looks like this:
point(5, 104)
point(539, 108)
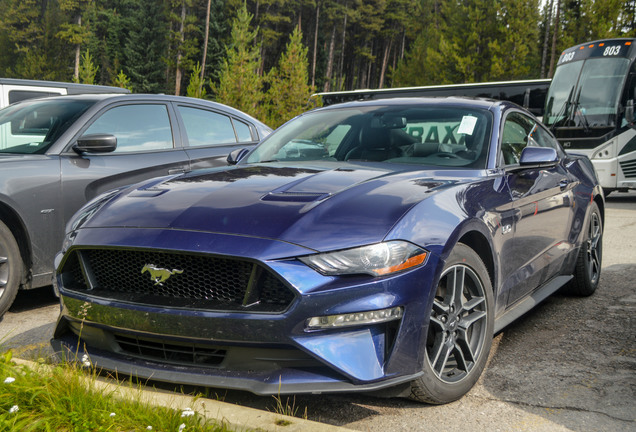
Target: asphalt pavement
point(568, 365)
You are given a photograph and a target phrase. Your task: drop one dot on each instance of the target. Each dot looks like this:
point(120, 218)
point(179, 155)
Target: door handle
point(176, 171)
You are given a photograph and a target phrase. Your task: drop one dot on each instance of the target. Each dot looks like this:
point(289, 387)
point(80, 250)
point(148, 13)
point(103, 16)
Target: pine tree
point(514, 50)
point(146, 47)
point(87, 69)
point(288, 89)
point(239, 84)
point(195, 87)
point(121, 80)
point(75, 32)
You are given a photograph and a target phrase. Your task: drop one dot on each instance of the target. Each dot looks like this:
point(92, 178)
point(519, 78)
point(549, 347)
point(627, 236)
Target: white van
point(15, 90)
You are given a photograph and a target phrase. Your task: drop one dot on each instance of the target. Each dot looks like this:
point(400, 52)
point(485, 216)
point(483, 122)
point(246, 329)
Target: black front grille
point(629, 168)
point(170, 352)
point(175, 280)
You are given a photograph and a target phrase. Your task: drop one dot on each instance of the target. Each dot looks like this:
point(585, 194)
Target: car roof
point(115, 97)
point(448, 101)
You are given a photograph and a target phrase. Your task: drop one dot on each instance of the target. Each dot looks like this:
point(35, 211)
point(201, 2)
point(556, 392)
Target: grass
point(61, 398)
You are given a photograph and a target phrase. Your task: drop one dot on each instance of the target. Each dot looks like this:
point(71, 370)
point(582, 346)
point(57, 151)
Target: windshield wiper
point(578, 112)
point(563, 114)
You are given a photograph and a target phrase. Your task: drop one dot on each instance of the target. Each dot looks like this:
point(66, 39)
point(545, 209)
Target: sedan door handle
point(176, 171)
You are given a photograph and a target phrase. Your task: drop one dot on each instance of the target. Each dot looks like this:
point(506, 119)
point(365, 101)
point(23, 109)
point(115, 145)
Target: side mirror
point(235, 156)
point(96, 143)
point(629, 111)
point(539, 156)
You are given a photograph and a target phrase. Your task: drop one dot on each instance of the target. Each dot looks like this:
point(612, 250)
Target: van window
point(20, 95)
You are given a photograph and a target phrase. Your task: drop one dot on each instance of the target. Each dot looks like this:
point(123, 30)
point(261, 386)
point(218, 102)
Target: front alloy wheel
point(460, 330)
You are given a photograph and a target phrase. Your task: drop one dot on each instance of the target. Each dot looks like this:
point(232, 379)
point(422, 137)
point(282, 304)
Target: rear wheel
point(10, 268)
point(587, 272)
point(459, 332)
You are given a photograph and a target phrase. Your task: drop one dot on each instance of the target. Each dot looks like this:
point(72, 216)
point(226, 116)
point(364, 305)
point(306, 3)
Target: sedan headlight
point(376, 260)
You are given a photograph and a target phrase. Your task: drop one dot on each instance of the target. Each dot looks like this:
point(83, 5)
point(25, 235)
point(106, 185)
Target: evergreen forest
point(266, 57)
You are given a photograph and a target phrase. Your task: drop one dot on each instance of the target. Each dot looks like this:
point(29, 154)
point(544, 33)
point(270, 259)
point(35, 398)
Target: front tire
point(587, 272)
point(10, 268)
point(460, 330)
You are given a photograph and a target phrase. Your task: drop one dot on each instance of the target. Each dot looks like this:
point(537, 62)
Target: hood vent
point(300, 197)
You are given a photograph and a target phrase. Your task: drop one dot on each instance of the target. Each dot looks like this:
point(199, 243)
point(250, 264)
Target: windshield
point(32, 127)
point(425, 135)
point(590, 102)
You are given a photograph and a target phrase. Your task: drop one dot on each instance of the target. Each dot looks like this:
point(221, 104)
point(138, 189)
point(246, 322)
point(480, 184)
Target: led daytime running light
point(355, 319)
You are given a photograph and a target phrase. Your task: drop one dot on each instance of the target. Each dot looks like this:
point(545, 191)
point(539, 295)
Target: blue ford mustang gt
point(364, 246)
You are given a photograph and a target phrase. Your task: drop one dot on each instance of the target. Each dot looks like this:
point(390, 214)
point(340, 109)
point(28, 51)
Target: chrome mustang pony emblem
point(159, 275)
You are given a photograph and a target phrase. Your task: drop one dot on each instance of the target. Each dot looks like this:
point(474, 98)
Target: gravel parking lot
point(568, 365)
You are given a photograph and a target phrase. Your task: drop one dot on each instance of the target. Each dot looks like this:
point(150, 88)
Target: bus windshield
point(586, 93)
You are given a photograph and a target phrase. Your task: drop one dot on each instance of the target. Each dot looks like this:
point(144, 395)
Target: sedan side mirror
point(235, 156)
point(96, 143)
point(539, 156)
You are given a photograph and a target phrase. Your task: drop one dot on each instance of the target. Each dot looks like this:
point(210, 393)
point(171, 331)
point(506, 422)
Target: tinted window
point(20, 95)
point(137, 127)
point(206, 127)
point(33, 126)
point(521, 131)
point(242, 131)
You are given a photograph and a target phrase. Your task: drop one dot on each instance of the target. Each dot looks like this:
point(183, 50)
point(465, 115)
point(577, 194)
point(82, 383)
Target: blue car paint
point(273, 213)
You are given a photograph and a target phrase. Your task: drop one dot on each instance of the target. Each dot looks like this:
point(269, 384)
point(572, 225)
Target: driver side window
point(138, 128)
point(520, 131)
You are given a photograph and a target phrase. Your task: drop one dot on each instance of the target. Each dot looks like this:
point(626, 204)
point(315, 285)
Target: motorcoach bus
point(590, 108)
point(529, 93)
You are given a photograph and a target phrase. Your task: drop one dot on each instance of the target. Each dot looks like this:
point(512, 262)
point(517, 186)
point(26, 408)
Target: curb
point(235, 416)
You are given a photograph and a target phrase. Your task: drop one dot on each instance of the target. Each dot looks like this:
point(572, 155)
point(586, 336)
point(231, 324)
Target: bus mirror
point(629, 111)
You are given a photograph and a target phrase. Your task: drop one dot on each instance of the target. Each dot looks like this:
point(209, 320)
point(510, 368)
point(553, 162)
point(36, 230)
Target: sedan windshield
point(32, 127)
point(423, 135)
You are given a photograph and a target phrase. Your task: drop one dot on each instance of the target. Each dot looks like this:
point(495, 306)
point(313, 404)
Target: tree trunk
point(313, 63)
point(546, 38)
point(205, 44)
point(342, 50)
point(554, 38)
point(385, 61)
point(177, 84)
point(332, 44)
point(77, 53)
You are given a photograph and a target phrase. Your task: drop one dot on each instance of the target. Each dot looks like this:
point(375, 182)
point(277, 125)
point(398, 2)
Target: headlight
point(376, 260)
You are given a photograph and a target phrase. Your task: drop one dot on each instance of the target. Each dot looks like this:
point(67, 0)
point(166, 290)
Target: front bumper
point(264, 353)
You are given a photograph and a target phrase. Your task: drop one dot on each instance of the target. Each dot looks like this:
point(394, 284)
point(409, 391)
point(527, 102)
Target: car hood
point(317, 207)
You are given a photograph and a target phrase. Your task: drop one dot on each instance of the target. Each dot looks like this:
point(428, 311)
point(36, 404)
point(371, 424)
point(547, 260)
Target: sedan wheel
point(10, 268)
point(460, 330)
point(588, 264)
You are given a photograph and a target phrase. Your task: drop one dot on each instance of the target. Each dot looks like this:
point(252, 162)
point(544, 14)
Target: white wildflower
point(187, 413)
point(149, 428)
point(14, 409)
point(182, 427)
point(9, 380)
point(113, 414)
point(86, 361)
